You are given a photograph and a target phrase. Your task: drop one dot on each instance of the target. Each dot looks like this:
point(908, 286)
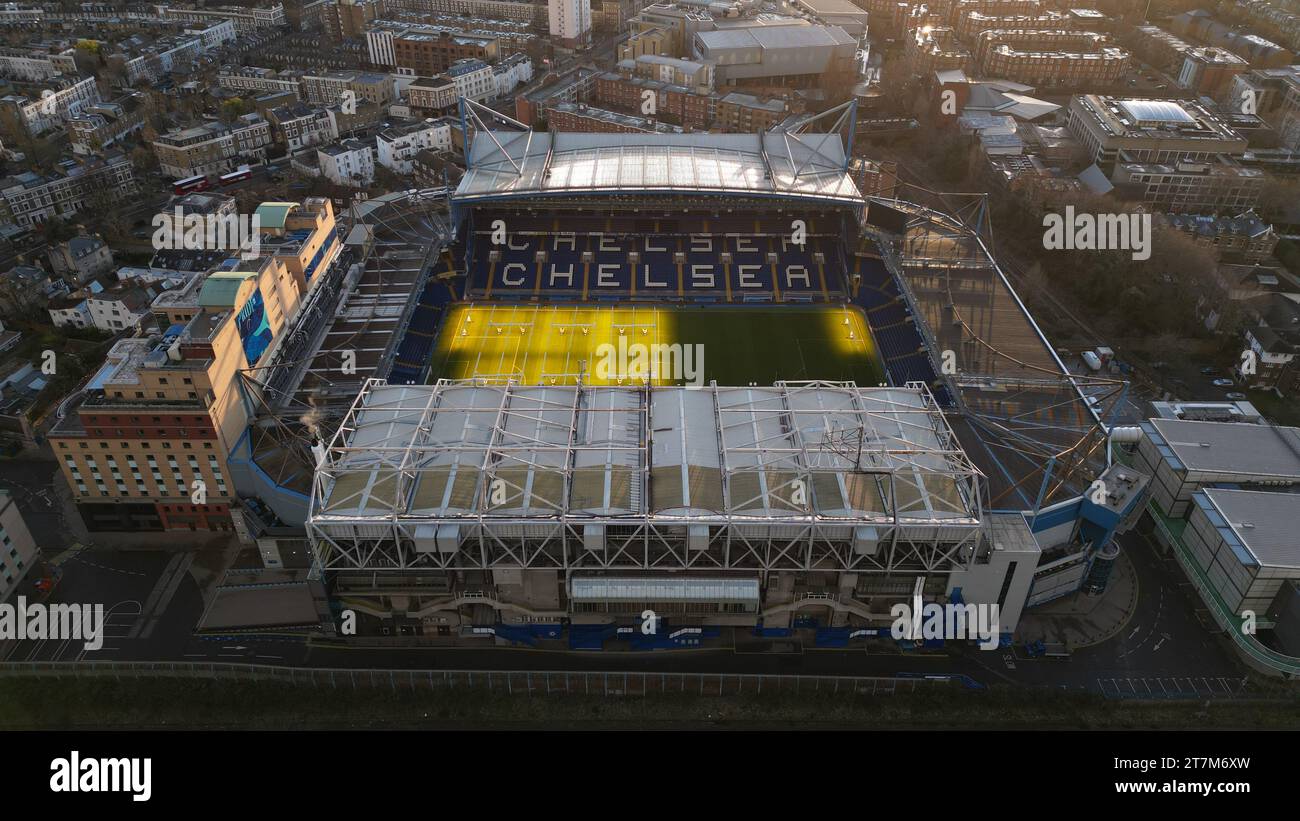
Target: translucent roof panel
point(787, 452)
point(510, 164)
point(1156, 111)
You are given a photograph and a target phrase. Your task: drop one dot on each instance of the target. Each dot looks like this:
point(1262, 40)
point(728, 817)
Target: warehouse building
point(778, 55)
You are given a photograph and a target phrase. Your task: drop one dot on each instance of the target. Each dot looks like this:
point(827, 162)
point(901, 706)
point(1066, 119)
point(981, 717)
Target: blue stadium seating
point(418, 336)
point(577, 257)
point(897, 337)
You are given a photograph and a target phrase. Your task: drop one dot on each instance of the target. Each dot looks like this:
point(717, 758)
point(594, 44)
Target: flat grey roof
point(1265, 523)
point(775, 37)
point(1231, 447)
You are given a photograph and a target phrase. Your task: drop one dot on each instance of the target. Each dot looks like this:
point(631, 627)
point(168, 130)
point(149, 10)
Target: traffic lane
point(118, 580)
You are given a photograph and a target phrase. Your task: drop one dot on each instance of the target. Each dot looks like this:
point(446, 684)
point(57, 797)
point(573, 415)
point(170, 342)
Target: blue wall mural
point(254, 330)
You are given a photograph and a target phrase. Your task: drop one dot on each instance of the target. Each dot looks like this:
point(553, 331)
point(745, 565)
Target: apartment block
point(300, 125)
point(348, 162)
point(431, 94)
point(29, 199)
point(213, 148)
point(397, 146)
point(1052, 59)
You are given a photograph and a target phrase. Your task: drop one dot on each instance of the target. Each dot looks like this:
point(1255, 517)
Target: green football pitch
point(555, 344)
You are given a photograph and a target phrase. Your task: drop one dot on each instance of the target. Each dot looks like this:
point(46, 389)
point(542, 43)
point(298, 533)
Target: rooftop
point(1264, 524)
point(667, 452)
point(803, 166)
point(1227, 447)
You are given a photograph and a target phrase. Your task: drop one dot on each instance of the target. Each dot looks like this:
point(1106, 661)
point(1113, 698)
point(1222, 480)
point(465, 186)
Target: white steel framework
point(808, 476)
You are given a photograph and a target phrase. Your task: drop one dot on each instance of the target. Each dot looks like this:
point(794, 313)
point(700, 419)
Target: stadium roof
point(437, 452)
point(507, 164)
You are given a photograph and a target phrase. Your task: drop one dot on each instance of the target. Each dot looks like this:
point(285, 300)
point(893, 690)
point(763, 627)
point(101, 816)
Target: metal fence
point(523, 682)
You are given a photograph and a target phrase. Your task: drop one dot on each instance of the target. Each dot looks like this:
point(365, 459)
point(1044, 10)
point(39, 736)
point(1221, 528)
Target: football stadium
point(701, 374)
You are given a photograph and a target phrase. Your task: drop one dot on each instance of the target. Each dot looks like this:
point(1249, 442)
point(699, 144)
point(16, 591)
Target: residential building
point(747, 114)
point(581, 117)
point(431, 94)
point(474, 79)
point(397, 146)
point(671, 103)
point(299, 125)
point(81, 259)
point(349, 162)
point(429, 48)
point(246, 19)
point(1210, 71)
point(259, 80)
point(1053, 59)
point(569, 22)
point(70, 312)
point(122, 307)
point(102, 125)
point(332, 88)
point(691, 74)
point(29, 199)
point(510, 73)
point(1243, 238)
point(60, 99)
point(27, 65)
point(348, 19)
point(213, 148)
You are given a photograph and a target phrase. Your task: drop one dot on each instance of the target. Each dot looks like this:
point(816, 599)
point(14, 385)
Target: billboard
point(254, 329)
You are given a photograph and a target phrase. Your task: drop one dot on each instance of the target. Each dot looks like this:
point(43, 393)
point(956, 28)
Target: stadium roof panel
point(831, 451)
point(518, 164)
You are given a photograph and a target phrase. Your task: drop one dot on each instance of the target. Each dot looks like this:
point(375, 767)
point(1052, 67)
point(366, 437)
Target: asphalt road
point(1164, 648)
point(152, 604)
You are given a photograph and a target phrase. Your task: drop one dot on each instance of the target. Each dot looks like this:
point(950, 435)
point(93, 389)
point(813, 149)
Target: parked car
point(1236, 396)
point(1208, 371)
point(1222, 383)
